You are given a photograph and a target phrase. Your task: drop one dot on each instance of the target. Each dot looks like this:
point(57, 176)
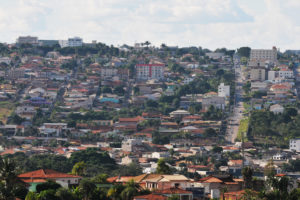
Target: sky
point(207, 23)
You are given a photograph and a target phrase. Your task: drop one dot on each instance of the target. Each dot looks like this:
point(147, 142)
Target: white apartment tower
point(75, 42)
point(150, 71)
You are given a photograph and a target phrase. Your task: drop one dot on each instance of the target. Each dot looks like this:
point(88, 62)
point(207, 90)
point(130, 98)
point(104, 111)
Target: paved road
point(237, 115)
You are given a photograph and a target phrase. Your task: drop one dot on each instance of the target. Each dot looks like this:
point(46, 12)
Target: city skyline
point(210, 24)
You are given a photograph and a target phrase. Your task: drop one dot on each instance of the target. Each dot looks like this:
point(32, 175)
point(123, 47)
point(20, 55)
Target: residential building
point(286, 73)
point(264, 54)
point(75, 42)
point(128, 145)
point(276, 109)
point(179, 114)
point(224, 90)
point(150, 71)
point(214, 55)
point(27, 40)
point(295, 145)
point(258, 74)
point(16, 73)
point(41, 176)
point(5, 60)
point(216, 101)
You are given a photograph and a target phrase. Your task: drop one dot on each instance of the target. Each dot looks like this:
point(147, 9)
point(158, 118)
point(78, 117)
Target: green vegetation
point(267, 128)
point(243, 129)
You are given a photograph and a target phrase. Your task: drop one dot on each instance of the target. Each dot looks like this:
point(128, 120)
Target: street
point(237, 114)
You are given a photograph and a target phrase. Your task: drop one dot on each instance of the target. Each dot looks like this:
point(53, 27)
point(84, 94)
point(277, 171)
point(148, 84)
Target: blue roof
point(106, 99)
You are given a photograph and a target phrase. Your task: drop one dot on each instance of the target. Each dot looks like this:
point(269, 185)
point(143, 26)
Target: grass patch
point(6, 108)
point(243, 128)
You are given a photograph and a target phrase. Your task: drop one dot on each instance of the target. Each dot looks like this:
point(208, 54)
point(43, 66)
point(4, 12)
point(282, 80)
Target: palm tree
point(247, 175)
point(131, 190)
point(8, 179)
point(115, 191)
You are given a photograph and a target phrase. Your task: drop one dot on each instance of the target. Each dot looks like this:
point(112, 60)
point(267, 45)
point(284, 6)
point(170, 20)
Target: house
point(26, 112)
point(179, 114)
point(214, 55)
point(276, 109)
point(130, 144)
point(258, 86)
point(128, 160)
point(40, 176)
point(216, 101)
point(53, 129)
point(176, 191)
point(162, 182)
point(217, 182)
point(237, 195)
point(150, 197)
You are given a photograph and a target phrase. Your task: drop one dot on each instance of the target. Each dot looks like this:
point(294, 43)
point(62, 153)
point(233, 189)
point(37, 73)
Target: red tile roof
point(151, 197)
point(173, 191)
point(46, 174)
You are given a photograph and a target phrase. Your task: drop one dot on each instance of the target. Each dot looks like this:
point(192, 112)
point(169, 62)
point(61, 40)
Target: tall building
point(150, 71)
point(71, 42)
point(223, 90)
point(264, 55)
point(27, 40)
point(75, 42)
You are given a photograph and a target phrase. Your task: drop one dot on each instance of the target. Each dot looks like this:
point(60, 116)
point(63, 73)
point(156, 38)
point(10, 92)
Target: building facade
point(264, 54)
point(27, 40)
point(223, 90)
point(295, 145)
point(150, 71)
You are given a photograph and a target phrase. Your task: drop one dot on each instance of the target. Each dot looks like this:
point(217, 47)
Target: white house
point(159, 155)
point(276, 109)
point(5, 60)
point(286, 73)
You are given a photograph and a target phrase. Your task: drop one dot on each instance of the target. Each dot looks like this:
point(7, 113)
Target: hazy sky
point(206, 23)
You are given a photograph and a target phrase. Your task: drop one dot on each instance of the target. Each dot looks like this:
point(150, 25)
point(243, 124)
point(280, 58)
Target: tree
point(115, 192)
point(162, 167)
point(86, 188)
point(31, 196)
point(174, 197)
point(244, 51)
point(9, 181)
point(247, 175)
point(100, 178)
point(131, 190)
point(79, 169)
point(210, 132)
point(217, 149)
point(49, 185)
point(65, 194)
point(119, 90)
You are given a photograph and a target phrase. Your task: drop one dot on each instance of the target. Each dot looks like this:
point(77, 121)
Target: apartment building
point(150, 71)
point(295, 145)
point(27, 40)
point(258, 74)
point(264, 54)
point(223, 90)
